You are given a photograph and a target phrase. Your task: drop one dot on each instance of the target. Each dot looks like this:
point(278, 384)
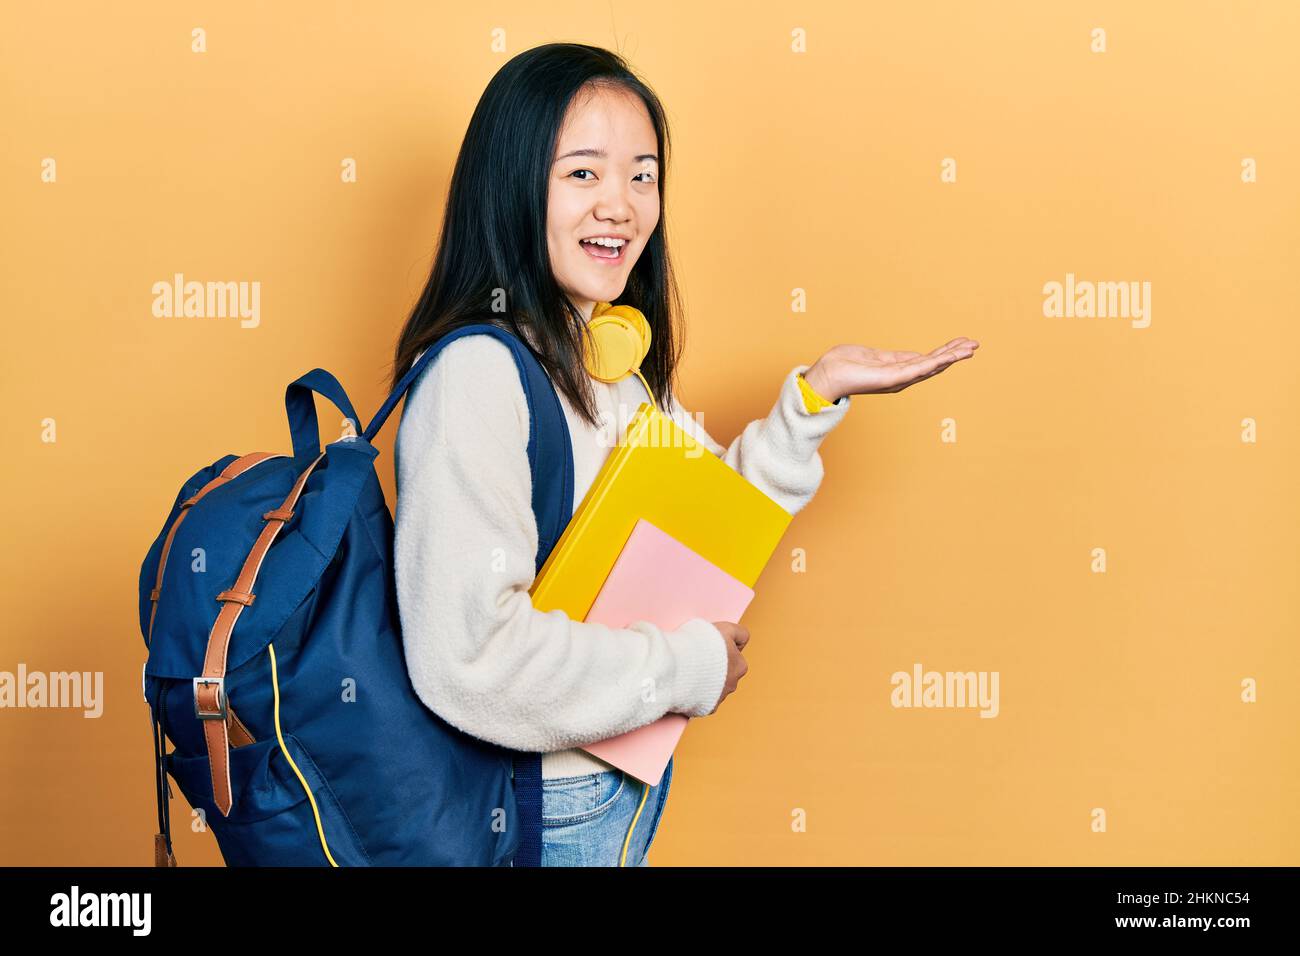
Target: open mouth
point(612, 255)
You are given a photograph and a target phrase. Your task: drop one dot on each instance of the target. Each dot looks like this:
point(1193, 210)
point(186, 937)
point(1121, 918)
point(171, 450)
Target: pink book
point(658, 579)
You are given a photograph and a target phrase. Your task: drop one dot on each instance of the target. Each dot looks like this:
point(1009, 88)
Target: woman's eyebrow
point(601, 154)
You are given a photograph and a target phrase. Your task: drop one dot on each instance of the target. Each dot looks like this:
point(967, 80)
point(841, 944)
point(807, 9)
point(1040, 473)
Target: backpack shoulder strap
point(550, 459)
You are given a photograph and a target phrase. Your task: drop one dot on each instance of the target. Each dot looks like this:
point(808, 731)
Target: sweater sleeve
point(479, 654)
point(777, 454)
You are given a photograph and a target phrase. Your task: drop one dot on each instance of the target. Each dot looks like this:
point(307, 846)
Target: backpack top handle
point(298, 402)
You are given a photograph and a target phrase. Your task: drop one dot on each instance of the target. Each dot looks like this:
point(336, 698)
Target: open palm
point(859, 370)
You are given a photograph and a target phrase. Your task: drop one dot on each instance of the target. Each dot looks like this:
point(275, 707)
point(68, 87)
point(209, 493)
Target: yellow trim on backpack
point(622, 860)
point(275, 683)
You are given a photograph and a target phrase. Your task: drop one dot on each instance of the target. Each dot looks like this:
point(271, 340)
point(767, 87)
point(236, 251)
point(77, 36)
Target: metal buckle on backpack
point(221, 711)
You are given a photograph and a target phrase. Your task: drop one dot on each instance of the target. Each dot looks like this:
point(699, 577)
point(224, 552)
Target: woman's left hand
point(858, 370)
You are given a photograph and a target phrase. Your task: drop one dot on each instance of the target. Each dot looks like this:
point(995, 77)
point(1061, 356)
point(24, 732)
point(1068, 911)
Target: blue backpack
point(270, 590)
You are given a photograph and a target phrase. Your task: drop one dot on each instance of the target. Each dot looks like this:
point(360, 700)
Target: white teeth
point(606, 241)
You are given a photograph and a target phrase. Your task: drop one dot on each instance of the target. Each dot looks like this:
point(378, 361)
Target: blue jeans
point(586, 819)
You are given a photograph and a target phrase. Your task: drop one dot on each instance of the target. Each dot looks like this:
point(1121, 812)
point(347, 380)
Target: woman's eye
point(651, 175)
point(576, 171)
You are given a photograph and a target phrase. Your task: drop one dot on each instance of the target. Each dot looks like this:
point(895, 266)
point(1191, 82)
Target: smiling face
point(604, 184)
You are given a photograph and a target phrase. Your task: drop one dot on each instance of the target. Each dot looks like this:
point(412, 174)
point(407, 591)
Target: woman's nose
point(613, 202)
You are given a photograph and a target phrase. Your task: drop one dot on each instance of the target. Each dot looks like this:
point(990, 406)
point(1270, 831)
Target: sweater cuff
point(701, 654)
point(795, 431)
point(812, 399)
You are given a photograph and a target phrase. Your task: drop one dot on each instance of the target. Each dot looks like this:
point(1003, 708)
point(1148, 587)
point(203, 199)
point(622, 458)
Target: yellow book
point(662, 474)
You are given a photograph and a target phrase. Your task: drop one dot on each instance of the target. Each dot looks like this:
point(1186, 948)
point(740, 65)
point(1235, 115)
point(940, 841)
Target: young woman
point(566, 146)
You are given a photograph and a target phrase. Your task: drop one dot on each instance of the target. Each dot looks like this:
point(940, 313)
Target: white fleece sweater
point(479, 654)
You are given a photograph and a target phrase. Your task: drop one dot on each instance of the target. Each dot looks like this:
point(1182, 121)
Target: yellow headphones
point(618, 343)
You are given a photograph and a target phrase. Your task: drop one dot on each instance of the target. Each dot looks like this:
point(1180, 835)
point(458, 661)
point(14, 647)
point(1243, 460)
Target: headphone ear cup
point(640, 327)
point(614, 348)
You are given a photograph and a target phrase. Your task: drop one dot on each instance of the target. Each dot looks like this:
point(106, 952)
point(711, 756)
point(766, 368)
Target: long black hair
point(492, 263)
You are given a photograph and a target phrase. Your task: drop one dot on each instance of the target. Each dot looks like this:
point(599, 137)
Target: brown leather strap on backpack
point(232, 470)
point(210, 704)
point(161, 855)
point(239, 734)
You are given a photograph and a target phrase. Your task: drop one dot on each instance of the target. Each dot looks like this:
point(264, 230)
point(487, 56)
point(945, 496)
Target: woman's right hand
point(737, 636)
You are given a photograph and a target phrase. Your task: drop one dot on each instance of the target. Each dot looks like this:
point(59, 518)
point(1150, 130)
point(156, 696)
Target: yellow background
point(818, 171)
